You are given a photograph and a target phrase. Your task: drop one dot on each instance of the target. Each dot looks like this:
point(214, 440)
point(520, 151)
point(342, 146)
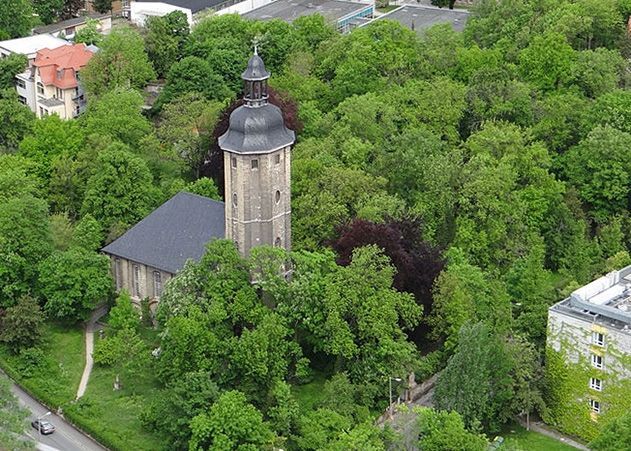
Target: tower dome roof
point(256, 69)
point(256, 130)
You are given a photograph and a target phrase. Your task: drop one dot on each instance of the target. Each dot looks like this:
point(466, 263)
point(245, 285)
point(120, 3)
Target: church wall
point(123, 274)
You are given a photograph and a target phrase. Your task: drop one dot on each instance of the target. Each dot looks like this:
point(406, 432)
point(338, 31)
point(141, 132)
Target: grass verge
point(518, 438)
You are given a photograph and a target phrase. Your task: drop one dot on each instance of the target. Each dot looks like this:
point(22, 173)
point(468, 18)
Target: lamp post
point(39, 421)
point(390, 379)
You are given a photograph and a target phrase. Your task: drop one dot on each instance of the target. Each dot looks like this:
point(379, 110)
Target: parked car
point(43, 426)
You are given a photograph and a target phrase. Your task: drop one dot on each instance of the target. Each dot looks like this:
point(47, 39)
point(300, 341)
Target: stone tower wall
point(258, 199)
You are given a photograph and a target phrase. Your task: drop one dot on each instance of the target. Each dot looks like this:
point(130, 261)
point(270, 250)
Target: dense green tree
point(10, 66)
point(71, 8)
point(613, 109)
point(165, 40)
point(20, 326)
point(445, 431)
point(230, 424)
point(118, 113)
point(102, 6)
point(24, 241)
point(89, 34)
point(124, 316)
point(548, 61)
point(615, 435)
point(283, 410)
point(48, 11)
point(173, 409)
point(599, 169)
point(194, 75)
point(560, 120)
point(320, 427)
point(13, 419)
point(17, 177)
point(463, 292)
point(51, 137)
point(120, 188)
point(599, 71)
point(204, 187)
point(87, 234)
point(121, 62)
point(476, 382)
point(16, 119)
point(61, 230)
point(127, 354)
point(187, 124)
point(16, 19)
point(73, 283)
point(313, 30)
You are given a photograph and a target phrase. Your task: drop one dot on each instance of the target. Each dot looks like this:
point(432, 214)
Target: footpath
point(90, 327)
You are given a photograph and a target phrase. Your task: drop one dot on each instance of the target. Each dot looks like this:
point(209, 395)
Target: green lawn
point(309, 395)
point(53, 370)
point(517, 438)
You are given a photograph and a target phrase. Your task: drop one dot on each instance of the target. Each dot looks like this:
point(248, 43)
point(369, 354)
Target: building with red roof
point(54, 81)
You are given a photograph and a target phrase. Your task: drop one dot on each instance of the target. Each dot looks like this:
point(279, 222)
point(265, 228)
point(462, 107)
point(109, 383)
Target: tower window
point(277, 158)
point(277, 196)
point(234, 162)
point(255, 164)
point(277, 242)
point(136, 280)
point(234, 199)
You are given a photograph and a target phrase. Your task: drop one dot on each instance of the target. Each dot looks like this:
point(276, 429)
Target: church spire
point(255, 81)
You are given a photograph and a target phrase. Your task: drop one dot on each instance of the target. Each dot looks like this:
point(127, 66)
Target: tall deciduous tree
point(440, 430)
point(16, 119)
point(417, 263)
point(548, 61)
point(10, 66)
point(20, 327)
point(24, 241)
point(71, 8)
point(16, 19)
point(73, 283)
point(118, 114)
point(230, 424)
point(166, 39)
point(121, 62)
point(48, 11)
point(615, 435)
point(121, 188)
point(102, 6)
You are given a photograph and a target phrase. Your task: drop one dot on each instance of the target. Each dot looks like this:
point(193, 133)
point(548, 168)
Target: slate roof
point(256, 129)
point(59, 26)
point(176, 231)
point(194, 5)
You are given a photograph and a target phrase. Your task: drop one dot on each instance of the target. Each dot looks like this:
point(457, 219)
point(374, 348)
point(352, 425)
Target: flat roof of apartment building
point(606, 298)
point(31, 44)
point(290, 10)
point(421, 17)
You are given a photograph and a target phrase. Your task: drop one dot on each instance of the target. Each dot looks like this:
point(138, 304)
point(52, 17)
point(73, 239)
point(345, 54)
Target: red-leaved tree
point(417, 263)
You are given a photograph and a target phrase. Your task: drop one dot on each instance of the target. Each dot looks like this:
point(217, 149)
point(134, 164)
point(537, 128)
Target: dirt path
point(90, 327)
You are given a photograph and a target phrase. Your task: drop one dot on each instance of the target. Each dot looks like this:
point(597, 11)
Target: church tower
point(257, 167)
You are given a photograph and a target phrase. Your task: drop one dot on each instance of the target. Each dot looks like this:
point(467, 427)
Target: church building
point(257, 210)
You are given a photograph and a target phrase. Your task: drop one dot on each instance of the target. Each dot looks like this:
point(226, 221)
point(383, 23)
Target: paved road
point(65, 438)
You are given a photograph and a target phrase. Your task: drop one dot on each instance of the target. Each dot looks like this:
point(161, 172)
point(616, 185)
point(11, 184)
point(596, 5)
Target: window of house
point(136, 280)
point(157, 284)
point(118, 267)
point(277, 196)
point(255, 164)
point(597, 361)
point(277, 242)
point(234, 162)
point(59, 93)
point(596, 384)
point(595, 405)
point(40, 88)
point(20, 83)
point(277, 158)
point(598, 339)
point(22, 100)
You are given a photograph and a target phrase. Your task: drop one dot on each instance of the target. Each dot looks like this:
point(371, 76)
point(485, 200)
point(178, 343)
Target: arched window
point(234, 199)
point(277, 242)
point(277, 196)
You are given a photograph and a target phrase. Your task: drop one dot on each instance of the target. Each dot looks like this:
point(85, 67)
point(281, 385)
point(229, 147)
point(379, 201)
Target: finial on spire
point(256, 41)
